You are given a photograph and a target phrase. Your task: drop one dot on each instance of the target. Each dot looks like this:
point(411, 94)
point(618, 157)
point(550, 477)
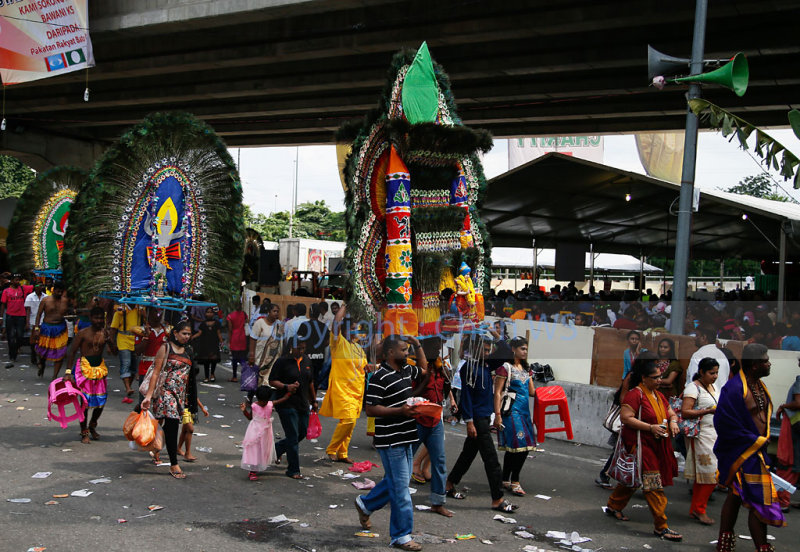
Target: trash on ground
point(333, 506)
point(19, 500)
point(41, 475)
point(350, 476)
point(66, 450)
point(281, 518)
point(362, 467)
point(468, 536)
point(214, 385)
point(524, 534)
point(155, 507)
point(504, 519)
point(367, 534)
point(218, 415)
point(60, 496)
point(203, 449)
point(51, 503)
point(363, 485)
point(100, 480)
point(486, 541)
point(144, 516)
point(412, 490)
point(224, 425)
point(83, 493)
point(228, 465)
point(422, 507)
point(120, 520)
point(543, 497)
point(201, 434)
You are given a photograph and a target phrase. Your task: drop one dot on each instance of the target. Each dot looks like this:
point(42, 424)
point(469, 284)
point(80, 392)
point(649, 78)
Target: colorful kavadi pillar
point(160, 216)
point(414, 185)
point(36, 232)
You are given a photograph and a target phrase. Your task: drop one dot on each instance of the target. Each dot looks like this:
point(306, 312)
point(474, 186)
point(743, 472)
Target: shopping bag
point(130, 422)
point(314, 427)
point(249, 381)
point(145, 429)
point(625, 466)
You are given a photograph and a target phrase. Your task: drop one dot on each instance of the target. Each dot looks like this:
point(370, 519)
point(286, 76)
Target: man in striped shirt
point(395, 432)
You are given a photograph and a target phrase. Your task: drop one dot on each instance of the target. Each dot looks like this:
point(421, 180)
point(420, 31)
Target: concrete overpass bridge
point(290, 72)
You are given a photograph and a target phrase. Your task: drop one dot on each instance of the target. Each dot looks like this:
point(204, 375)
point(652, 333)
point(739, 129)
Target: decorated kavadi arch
point(160, 217)
point(413, 187)
point(41, 219)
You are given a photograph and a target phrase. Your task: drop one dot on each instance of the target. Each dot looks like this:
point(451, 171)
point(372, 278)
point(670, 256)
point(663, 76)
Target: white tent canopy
point(521, 257)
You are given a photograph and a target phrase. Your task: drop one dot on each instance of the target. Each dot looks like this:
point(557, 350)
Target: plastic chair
point(552, 395)
point(62, 393)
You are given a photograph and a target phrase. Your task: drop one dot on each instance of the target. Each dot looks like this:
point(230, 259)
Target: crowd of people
point(485, 380)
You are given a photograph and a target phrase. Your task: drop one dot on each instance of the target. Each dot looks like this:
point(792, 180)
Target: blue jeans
point(295, 427)
point(128, 363)
point(393, 489)
point(433, 439)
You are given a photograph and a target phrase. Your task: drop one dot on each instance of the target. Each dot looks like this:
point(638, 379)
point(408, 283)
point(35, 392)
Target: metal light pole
point(683, 235)
point(294, 190)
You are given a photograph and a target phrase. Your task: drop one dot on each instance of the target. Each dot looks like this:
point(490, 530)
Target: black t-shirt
point(289, 370)
point(316, 336)
point(390, 388)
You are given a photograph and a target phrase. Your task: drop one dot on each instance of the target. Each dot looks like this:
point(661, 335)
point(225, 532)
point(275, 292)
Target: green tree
point(14, 176)
point(760, 185)
point(312, 220)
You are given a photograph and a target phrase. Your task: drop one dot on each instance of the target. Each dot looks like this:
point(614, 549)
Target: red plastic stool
point(552, 395)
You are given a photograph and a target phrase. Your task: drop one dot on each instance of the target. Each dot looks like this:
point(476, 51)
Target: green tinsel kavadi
point(29, 205)
point(103, 198)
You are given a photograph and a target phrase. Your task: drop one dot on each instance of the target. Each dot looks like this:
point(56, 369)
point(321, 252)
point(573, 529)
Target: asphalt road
point(217, 508)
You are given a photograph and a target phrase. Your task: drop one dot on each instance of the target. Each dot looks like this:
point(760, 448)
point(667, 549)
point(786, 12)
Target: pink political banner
point(43, 38)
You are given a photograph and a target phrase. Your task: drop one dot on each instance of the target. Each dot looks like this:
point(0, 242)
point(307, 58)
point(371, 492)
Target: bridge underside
point(292, 72)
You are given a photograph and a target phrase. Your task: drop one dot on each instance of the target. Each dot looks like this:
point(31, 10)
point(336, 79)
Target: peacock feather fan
point(36, 232)
point(160, 213)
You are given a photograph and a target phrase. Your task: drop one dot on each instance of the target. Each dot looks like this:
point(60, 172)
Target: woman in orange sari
point(646, 411)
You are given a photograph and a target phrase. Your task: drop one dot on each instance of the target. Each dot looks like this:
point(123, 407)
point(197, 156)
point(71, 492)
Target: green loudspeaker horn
point(733, 75)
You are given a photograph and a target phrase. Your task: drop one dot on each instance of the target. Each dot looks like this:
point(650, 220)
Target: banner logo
point(55, 62)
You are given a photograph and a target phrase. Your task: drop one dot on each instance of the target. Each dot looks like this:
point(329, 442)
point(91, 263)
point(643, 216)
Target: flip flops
point(453, 493)
point(616, 514)
point(668, 534)
point(506, 507)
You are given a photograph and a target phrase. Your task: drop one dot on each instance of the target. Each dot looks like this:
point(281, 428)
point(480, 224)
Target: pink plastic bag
point(314, 427)
point(361, 467)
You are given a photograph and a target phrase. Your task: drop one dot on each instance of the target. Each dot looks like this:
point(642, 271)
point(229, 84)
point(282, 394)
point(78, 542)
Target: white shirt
point(293, 325)
point(327, 319)
point(32, 301)
point(710, 351)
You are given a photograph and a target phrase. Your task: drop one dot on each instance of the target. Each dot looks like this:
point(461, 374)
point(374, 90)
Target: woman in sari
point(646, 411)
point(266, 342)
point(670, 368)
point(700, 401)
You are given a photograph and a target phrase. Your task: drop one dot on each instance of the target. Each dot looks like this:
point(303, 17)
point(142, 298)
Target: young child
point(258, 446)
point(189, 417)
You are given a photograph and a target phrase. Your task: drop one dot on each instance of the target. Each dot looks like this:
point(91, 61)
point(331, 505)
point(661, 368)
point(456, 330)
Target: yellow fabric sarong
point(93, 372)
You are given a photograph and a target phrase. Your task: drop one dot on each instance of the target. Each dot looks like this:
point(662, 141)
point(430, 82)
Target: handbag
point(249, 381)
point(508, 397)
point(626, 466)
point(690, 428)
point(612, 421)
point(162, 378)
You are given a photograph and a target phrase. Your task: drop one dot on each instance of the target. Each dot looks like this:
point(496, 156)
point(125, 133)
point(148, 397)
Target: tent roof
point(559, 199)
point(522, 257)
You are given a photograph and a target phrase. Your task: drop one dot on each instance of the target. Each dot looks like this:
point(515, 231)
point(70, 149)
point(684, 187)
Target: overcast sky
point(268, 173)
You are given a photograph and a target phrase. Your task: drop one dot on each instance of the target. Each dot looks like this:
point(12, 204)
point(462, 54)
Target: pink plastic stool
point(552, 395)
point(63, 393)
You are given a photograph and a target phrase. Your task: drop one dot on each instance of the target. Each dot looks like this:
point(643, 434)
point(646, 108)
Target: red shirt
point(157, 338)
point(625, 324)
point(14, 300)
point(237, 320)
point(433, 392)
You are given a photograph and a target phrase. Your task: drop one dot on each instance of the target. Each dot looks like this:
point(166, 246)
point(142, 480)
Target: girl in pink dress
point(258, 446)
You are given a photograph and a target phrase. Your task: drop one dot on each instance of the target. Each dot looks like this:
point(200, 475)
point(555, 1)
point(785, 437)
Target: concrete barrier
point(588, 405)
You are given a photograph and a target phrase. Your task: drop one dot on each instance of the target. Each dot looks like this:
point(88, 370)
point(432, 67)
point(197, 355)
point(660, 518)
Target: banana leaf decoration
point(414, 185)
point(161, 214)
point(41, 218)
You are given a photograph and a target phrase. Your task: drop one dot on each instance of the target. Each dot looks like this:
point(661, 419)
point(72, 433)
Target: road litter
point(120, 520)
point(367, 534)
point(363, 485)
point(647, 546)
point(338, 473)
point(304, 525)
point(60, 496)
point(280, 518)
point(51, 503)
point(745, 537)
point(83, 493)
point(524, 534)
point(100, 480)
point(543, 497)
point(350, 476)
point(333, 506)
point(155, 507)
point(11, 400)
point(467, 536)
point(639, 506)
point(422, 507)
point(315, 441)
point(224, 425)
point(20, 408)
point(19, 500)
point(218, 415)
point(162, 464)
point(228, 465)
point(66, 450)
point(201, 434)
point(203, 449)
point(412, 490)
point(486, 541)
point(504, 519)
point(41, 475)
point(363, 467)
point(37, 549)
point(144, 516)
point(318, 448)
point(212, 385)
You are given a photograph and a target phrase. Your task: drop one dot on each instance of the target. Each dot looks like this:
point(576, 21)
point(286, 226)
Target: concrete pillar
point(43, 151)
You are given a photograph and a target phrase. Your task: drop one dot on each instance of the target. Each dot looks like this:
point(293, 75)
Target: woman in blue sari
point(515, 432)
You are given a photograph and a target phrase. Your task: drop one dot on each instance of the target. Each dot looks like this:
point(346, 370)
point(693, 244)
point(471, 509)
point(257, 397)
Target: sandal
point(205, 380)
point(517, 490)
point(295, 476)
point(668, 534)
point(253, 476)
point(505, 507)
point(619, 515)
point(212, 378)
point(93, 432)
point(453, 493)
point(417, 478)
point(705, 520)
point(177, 474)
point(85, 436)
point(410, 545)
point(363, 517)
point(155, 457)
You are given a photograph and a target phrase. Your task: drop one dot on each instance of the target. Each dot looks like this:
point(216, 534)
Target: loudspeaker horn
point(660, 64)
point(734, 75)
